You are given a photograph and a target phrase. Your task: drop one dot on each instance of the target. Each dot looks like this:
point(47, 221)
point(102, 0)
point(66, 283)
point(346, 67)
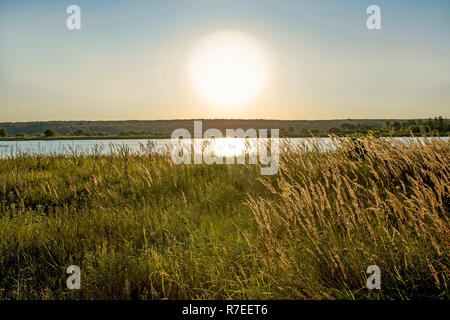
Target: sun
point(228, 68)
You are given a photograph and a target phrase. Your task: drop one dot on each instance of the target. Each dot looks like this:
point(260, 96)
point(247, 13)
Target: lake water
point(220, 147)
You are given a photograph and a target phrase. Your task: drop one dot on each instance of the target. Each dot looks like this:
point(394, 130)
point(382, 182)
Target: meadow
point(141, 227)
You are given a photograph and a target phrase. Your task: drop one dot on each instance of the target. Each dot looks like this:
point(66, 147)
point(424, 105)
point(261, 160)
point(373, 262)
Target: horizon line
point(228, 119)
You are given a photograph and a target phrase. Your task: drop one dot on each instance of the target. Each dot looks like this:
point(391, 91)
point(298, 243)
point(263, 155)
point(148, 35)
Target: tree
point(387, 126)
point(81, 132)
point(3, 132)
point(441, 124)
point(411, 123)
point(348, 126)
point(50, 133)
point(415, 129)
point(335, 130)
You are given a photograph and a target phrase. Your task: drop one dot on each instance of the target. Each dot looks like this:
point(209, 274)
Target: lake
point(221, 146)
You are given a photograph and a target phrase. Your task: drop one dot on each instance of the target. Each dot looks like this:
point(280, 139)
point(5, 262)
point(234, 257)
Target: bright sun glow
point(228, 68)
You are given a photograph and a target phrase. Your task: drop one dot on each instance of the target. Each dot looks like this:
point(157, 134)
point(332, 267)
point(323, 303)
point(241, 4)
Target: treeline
point(51, 133)
point(432, 126)
point(164, 128)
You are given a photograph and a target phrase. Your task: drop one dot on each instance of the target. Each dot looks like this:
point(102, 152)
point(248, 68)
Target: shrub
point(50, 133)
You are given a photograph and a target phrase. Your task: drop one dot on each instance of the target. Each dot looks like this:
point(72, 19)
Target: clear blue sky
point(130, 58)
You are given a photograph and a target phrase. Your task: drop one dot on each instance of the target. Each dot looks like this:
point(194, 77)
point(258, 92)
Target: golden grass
point(142, 228)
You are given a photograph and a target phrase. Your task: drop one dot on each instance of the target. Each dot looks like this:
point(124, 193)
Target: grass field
point(142, 228)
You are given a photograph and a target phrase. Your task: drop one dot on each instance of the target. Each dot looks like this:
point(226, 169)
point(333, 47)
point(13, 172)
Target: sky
point(130, 60)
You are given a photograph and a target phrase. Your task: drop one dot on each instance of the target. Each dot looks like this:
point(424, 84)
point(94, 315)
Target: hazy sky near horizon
point(130, 59)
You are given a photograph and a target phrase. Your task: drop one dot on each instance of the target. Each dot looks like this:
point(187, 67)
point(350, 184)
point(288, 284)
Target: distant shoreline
point(77, 138)
point(63, 138)
point(163, 129)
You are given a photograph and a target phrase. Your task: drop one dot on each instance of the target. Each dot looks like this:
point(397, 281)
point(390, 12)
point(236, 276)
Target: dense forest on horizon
point(164, 128)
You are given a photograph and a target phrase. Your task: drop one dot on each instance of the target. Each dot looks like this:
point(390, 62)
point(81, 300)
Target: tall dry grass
point(142, 228)
point(371, 202)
